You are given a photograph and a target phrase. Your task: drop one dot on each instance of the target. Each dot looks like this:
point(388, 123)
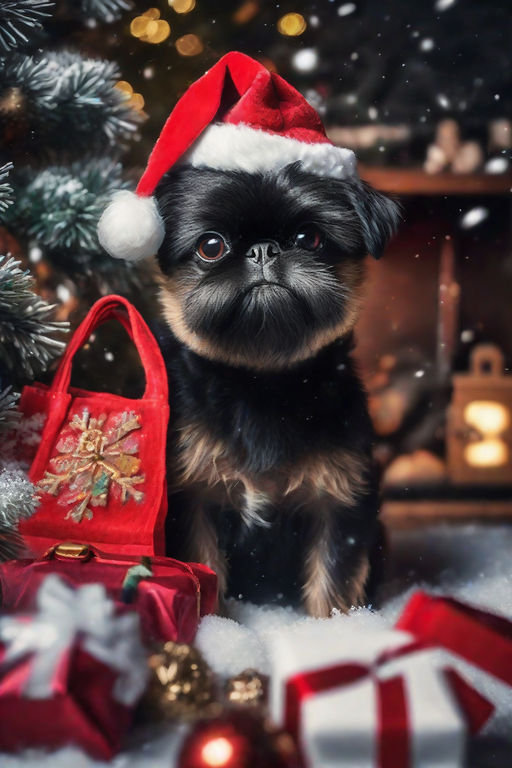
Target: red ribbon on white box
point(392, 699)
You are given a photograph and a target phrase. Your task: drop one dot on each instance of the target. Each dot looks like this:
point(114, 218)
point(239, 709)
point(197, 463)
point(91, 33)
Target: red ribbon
point(393, 741)
point(482, 639)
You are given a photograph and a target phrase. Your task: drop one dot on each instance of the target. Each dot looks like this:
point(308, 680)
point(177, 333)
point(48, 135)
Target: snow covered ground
point(471, 562)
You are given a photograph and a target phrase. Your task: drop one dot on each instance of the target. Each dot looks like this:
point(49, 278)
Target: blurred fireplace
point(439, 291)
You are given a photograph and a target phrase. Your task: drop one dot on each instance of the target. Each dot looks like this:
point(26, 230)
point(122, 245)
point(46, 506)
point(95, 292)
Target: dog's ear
point(378, 214)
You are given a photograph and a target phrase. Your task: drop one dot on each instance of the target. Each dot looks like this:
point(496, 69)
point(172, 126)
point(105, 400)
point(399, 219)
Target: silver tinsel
point(17, 499)
point(17, 502)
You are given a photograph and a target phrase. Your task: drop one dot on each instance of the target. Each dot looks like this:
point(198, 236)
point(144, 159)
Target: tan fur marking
point(339, 474)
point(204, 460)
point(357, 591)
point(172, 289)
point(319, 592)
point(203, 547)
point(200, 459)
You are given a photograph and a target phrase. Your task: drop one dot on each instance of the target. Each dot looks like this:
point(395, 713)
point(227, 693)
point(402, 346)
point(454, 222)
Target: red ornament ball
point(237, 739)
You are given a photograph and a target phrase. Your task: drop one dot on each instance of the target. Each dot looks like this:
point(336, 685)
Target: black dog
point(261, 280)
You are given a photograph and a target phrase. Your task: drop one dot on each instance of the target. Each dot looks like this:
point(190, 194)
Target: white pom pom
point(131, 227)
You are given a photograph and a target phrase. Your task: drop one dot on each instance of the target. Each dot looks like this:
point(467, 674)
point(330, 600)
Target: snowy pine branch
point(104, 10)
point(18, 18)
point(69, 102)
point(86, 102)
point(26, 343)
point(8, 413)
point(60, 207)
point(5, 188)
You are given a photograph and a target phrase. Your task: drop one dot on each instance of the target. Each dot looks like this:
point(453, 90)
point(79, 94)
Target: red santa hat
point(238, 116)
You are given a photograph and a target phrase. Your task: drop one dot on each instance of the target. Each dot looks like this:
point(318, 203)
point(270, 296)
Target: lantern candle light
point(479, 425)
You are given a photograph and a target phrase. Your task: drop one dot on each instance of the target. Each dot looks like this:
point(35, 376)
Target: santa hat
point(238, 116)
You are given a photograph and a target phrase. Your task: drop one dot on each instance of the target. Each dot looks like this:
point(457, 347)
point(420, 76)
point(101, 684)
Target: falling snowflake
point(95, 460)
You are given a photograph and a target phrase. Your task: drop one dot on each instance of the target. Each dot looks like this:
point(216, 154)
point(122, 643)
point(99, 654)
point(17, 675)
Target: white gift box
point(366, 699)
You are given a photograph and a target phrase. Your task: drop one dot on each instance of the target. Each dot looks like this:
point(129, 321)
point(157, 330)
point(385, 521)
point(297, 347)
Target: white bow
point(64, 614)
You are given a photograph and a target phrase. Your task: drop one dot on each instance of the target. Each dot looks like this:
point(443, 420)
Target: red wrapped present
point(100, 467)
point(71, 673)
point(169, 600)
point(401, 698)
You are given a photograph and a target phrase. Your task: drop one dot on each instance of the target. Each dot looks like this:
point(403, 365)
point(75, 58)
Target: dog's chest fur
point(254, 441)
point(211, 471)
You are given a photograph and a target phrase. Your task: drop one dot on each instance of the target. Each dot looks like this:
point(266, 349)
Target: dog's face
point(263, 270)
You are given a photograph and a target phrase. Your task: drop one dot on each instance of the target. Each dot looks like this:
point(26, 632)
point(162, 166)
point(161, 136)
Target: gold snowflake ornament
point(96, 460)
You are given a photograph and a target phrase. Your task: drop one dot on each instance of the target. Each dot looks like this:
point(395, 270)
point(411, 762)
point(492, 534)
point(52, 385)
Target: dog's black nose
point(262, 253)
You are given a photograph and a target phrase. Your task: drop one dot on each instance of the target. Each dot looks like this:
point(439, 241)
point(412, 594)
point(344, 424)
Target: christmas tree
point(63, 127)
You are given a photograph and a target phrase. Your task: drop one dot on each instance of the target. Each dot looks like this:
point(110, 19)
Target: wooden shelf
point(407, 181)
point(406, 513)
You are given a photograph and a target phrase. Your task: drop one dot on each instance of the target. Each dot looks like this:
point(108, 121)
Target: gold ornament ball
point(247, 688)
point(181, 684)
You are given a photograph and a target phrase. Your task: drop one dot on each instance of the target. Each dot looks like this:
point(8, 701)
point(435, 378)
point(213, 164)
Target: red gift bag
point(100, 466)
point(169, 603)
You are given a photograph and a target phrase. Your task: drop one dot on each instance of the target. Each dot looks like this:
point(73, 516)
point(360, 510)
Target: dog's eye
point(211, 247)
point(308, 237)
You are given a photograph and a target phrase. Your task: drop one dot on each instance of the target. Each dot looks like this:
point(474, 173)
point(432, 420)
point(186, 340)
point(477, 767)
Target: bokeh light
point(189, 45)
point(292, 24)
point(268, 63)
point(246, 12)
point(152, 13)
point(150, 28)
point(136, 101)
point(157, 32)
point(217, 752)
point(182, 6)
point(125, 87)
point(305, 60)
point(138, 25)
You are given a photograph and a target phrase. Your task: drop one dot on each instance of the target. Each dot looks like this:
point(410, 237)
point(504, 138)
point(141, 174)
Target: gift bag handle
point(119, 308)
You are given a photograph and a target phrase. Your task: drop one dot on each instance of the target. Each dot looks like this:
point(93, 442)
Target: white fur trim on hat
point(131, 227)
point(228, 147)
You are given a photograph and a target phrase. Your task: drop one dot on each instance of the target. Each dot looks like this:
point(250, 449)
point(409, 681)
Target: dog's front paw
point(325, 592)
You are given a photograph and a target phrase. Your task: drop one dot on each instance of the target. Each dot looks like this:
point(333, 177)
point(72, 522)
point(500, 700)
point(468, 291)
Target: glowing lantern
point(479, 425)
